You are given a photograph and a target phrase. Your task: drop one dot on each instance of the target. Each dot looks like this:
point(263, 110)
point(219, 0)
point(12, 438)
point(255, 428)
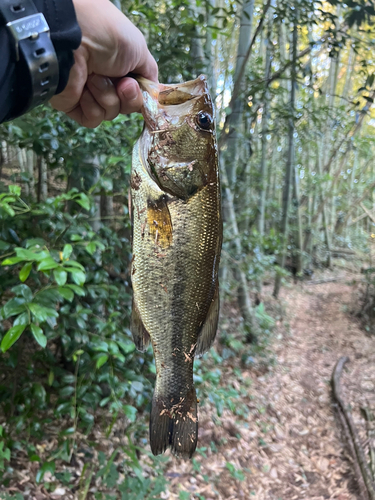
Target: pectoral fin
point(141, 337)
point(160, 222)
point(207, 334)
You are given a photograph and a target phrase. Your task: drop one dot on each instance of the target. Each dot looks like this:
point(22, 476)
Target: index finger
point(147, 68)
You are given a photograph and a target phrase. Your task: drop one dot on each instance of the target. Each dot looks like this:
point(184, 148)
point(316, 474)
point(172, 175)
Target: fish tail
point(174, 425)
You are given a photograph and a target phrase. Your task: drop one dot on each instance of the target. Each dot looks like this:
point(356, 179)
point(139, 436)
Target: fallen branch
point(362, 472)
point(343, 250)
point(327, 280)
point(372, 217)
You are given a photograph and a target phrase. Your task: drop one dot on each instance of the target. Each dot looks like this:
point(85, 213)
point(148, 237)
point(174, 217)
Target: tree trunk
point(265, 117)
point(196, 47)
point(30, 163)
point(208, 49)
point(233, 144)
point(42, 179)
point(290, 160)
point(243, 293)
point(298, 253)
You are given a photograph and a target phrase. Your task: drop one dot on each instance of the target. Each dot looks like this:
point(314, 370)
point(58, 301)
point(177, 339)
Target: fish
point(176, 241)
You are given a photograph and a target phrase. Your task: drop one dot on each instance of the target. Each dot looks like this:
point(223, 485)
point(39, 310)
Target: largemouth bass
point(177, 236)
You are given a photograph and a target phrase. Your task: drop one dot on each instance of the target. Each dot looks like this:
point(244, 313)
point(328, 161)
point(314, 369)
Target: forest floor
point(267, 430)
point(289, 445)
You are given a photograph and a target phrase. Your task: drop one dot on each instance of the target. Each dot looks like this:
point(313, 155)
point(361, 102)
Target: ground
point(275, 436)
point(290, 445)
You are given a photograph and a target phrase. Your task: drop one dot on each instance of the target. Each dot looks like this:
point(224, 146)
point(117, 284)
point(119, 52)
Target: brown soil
point(290, 445)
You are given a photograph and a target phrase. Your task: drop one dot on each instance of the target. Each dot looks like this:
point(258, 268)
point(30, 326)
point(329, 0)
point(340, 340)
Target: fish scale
point(177, 235)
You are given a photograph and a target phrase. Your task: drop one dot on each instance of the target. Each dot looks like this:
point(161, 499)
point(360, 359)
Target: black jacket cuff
point(14, 78)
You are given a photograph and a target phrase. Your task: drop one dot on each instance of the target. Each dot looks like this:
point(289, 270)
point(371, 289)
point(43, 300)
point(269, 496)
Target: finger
point(88, 112)
point(130, 95)
point(105, 94)
point(69, 98)
point(147, 68)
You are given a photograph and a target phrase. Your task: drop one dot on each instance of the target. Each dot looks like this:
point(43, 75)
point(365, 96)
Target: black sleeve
point(65, 35)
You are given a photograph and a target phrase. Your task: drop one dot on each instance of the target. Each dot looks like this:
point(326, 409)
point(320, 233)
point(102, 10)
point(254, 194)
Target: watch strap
point(32, 47)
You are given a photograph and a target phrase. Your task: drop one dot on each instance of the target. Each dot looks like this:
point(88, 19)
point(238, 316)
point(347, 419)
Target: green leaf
point(22, 319)
point(25, 271)
point(15, 190)
point(90, 248)
point(66, 293)
point(11, 336)
point(39, 335)
point(46, 467)
point(9, 210)
point(184, 495)
point(39, 391)
point(25, 254)
point(77, 290)
point(42, 313)
point(66, 391)
point(46, 264)
point(127, 348)
point(4, 246)
point(23, 291)
point(73, 263)
point(76, 237)
point(39, 256)
point(11, 261)
point(78, 276)
point(83, 200)
point(101, 360)
point(13, 307)
point(60, 276)
point(68, 249)
point(130, 412)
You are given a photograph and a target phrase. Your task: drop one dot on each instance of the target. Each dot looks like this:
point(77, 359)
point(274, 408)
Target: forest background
point(293, 82)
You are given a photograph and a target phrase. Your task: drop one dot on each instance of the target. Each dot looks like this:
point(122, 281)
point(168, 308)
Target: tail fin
point(174, 425)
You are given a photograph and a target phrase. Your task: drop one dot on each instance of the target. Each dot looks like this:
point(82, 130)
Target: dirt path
point(287, 445)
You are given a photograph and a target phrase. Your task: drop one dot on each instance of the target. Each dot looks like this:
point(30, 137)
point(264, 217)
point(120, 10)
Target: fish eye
point(204, 120)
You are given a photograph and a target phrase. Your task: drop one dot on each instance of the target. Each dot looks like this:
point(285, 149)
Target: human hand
point(111, 48)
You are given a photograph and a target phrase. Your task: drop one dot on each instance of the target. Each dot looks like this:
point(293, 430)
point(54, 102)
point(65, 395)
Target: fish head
point(178, 143)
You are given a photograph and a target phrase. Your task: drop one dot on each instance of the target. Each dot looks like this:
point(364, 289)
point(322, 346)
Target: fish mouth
point(161, 101)
point(176, 93)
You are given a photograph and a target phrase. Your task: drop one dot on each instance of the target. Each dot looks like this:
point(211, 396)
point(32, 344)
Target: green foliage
point(4, 450)
point(65, 302)
point(234, 472)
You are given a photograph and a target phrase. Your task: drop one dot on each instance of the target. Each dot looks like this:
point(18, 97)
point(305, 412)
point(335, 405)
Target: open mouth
point(174, 94)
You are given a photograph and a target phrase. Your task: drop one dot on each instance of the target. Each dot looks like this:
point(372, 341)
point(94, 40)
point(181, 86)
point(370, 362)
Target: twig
point(371, 435)
point(363, 474)
point(84, 483)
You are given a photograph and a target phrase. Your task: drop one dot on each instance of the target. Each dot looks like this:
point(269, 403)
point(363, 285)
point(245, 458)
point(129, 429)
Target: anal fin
point(141, 337)
point(207, 334)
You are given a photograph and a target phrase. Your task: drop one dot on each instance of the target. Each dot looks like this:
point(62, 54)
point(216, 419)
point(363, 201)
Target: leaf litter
point(290, 445)
point(280, 440)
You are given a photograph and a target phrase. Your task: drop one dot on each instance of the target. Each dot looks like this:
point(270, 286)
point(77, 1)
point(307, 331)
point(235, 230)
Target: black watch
point(33, 48)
